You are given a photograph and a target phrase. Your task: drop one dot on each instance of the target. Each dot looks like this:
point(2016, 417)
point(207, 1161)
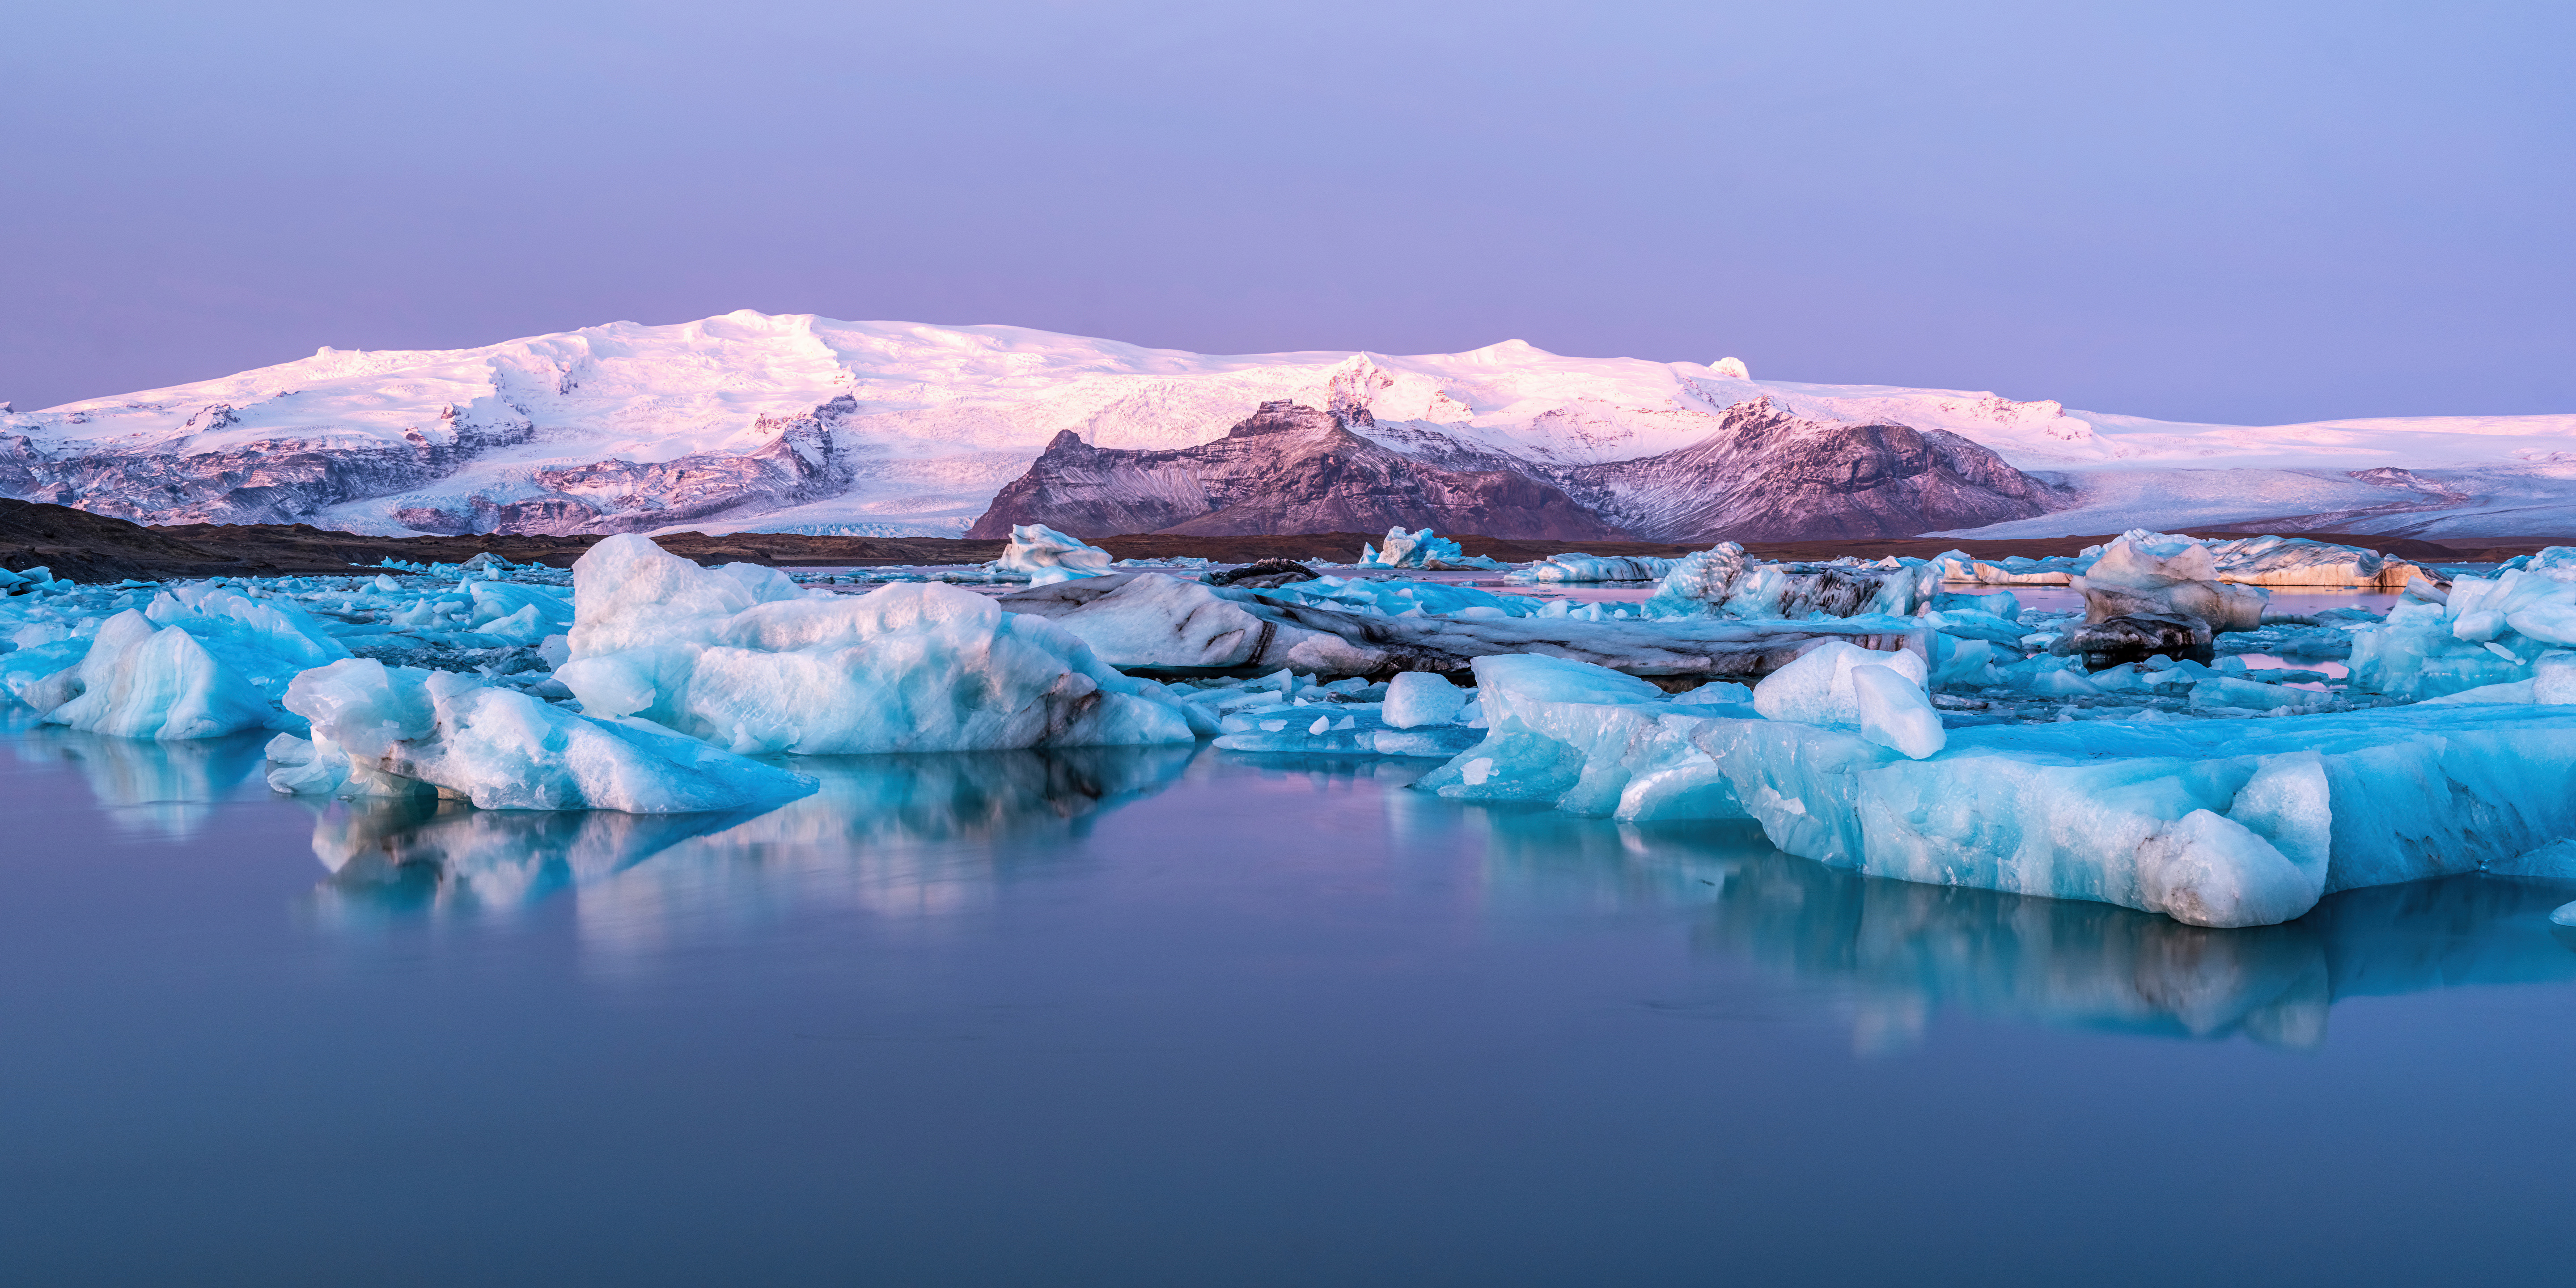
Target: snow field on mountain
point(926, 423)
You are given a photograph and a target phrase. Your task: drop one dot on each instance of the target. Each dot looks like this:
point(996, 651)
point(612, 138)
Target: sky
point(2236, 212)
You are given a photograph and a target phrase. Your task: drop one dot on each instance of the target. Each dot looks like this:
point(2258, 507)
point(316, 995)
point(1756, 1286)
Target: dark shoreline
point(80, 546)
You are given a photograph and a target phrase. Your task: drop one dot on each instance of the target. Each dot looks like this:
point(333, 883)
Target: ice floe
point(1151, 621)
point(1402, 549)
point(742, 657)
point(1577, 567)
point(2273, 561)
point(2212, 822)
point(1043, 555)
point(1724, 580)
point(401, 731)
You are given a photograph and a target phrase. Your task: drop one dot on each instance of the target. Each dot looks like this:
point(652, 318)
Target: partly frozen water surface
point(1178, 1016)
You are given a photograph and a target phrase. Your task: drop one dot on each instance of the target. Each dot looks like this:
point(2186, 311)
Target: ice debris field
point(2176, 745)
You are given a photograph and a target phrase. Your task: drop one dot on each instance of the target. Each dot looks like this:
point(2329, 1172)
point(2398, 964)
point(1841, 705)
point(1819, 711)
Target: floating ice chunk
point(1818, 687)
point(196, 661)
point(2001, 604)
point(1420, 550)
point(2104, 811)
point(629, 593)
point(1894, 711)
point(1415, 699)
point(391, 731)
point(140, 682)
point(1715, 692)
point(1395, 595)
point(1577, 567)
point(2152, 573)
point(1724, 580)
point(2565, 916)
point(1038, 549)
point(2229, 691)
point(911, 666)
point(1506, 682)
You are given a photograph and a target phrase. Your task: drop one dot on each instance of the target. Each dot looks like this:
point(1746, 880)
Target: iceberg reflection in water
point(889, 834)
point(1894, 952)
point(911, 836)
point(165, 787)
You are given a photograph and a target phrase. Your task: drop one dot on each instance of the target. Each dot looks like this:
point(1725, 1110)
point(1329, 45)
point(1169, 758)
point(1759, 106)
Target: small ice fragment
point(2565, 916)
point(1418, 698)
point(1894, 712)
point(1476, 771)
point(1321, 724)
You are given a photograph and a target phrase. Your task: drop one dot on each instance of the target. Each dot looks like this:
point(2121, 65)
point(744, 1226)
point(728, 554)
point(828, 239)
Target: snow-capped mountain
point(801, 423)
point(1761, 475)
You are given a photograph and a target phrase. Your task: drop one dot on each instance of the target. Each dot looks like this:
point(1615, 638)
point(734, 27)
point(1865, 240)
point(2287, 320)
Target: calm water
point(1175, 1017)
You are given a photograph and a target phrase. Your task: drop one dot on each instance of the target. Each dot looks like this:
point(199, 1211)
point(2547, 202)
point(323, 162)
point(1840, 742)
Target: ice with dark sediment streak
point(1150, 621)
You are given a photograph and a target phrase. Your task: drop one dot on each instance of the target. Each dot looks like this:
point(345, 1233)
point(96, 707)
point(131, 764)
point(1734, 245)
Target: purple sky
point(2194, 211)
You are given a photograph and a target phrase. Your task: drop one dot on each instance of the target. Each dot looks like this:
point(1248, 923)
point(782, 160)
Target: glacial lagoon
point(1182, 1016)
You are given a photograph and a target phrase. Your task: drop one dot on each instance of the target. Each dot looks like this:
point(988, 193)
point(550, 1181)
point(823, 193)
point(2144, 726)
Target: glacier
point(799, 423)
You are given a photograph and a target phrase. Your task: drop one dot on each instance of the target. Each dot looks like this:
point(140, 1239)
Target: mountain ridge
point(750, 421)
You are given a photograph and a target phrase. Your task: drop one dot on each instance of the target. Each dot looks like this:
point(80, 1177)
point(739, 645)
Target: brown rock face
point(1286, 468)
point(1767, 475)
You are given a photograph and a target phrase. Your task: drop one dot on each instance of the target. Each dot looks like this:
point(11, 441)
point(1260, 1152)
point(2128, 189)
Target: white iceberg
point(197, 661)
point(1044, 555)
point(402, 731)
point(2213, 822)
point(2151, 573)
point(2490, 630)
point(741, 657)
point(1418, 698)
point(1421, 549)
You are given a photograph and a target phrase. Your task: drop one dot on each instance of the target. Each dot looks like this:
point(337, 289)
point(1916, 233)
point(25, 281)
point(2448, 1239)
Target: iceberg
point(197, 661)
point(2488, 631)
point(1421, 550)
point(401, 731)
point(1723, 580)
point(2211, 822)
point(2018, 570)
point(1579, 567)
point(743, 658)
point(2151, 574)
point(1396, 596)
point(2298, 561)
point(1043, 554)
point(2251, 561)
point(1148, 621)
point(1418, 698)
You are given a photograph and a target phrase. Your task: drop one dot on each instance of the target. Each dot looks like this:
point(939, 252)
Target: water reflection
point(1892, 953)
point(891, 834)
point(164, 787)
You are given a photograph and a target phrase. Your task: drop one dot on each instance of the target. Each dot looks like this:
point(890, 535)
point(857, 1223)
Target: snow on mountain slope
point(753, 421)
